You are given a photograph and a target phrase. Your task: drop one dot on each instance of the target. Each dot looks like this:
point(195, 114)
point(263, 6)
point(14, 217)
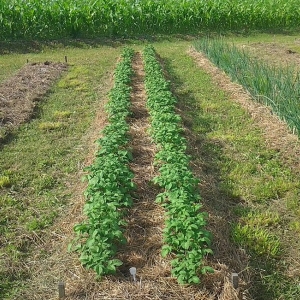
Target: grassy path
point(44, 168)
point(248, 187)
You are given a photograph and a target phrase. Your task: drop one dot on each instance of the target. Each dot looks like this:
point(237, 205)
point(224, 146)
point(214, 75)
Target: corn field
point(44, 19)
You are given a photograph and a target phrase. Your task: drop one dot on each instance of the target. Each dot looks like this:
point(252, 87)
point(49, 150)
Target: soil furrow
point(145, 219)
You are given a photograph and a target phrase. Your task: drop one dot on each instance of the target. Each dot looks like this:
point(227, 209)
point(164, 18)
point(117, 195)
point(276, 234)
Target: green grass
point(246, 174)
point(40, 161)
point(243, 182)
point(277, 87)
point(10, 65)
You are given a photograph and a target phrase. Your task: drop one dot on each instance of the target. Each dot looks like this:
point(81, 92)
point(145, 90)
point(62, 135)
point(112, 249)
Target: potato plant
point(185, 236)
point(109, 182)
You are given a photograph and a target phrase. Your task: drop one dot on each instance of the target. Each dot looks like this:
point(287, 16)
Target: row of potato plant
point(109, 181)
point(276, 87)
point(185, 237)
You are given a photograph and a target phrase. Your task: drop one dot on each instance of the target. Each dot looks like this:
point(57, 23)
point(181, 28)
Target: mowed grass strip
point(243, 181)
point(40, 162)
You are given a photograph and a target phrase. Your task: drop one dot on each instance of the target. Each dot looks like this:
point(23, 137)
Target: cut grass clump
point(276, 87)
point(254, 232)
point(75, 79)
point(48, 126)
point(4, 181)
point(62, 115)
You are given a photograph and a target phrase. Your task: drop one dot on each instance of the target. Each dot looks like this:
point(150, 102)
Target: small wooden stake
point(27, 60)
point(66, 59)
point(61, 290)
point(235, 280)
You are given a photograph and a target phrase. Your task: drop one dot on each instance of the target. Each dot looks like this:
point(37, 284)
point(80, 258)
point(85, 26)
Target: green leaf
point(117, 262)
point(99, 269)
point(186, 245)
point(181, 279)
point(207, 269)
point(166, 249)
point(194, 279)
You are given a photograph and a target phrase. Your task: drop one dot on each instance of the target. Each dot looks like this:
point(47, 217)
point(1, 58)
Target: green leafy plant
point(109, 182)
point(278, 88)
point(184, 233)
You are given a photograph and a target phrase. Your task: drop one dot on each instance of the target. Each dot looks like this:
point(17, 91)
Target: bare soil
point(20, 94)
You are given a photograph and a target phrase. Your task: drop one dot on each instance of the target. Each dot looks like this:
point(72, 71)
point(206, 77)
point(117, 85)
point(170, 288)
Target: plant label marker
point(235, 280)
point(132, 271)
point(61, 290)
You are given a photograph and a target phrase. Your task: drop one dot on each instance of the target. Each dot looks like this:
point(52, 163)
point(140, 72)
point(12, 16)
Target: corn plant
point(277, 87)
point(109, 182)
point(185, 236)
point(48, 19)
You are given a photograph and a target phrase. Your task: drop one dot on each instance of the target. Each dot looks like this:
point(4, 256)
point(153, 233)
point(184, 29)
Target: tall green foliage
point(185, 236)
point(109, 182)
point(65, 18)
point(277, 87)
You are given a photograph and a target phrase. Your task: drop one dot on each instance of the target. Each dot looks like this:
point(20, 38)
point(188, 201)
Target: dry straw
point(144, 240)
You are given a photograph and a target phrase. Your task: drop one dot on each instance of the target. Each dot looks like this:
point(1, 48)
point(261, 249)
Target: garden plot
point(144, 225)
point(19, 94)
point(215, 142)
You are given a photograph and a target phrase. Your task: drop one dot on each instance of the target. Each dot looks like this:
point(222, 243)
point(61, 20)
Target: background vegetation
point(89, 18)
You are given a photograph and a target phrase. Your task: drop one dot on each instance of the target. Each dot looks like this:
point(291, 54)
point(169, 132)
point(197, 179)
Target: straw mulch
point(52, 262)
point(20, 94)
